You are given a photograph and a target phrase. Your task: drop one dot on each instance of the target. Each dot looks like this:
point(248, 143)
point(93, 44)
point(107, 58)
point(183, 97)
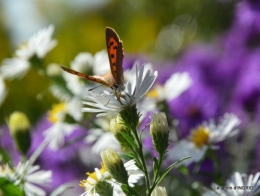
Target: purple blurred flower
point(64, 162)
point(197, 104)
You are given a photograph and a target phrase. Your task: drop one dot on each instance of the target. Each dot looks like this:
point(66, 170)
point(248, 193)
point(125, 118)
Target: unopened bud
point(159, 191)
point(159, 130)
point(114, 165)
point(19, 126)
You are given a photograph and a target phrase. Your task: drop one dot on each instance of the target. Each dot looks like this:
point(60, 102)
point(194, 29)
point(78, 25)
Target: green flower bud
point(103, 188)
point(159, 191)
point(114, 165)
point(159, 130)
point(19, 126)
point(117, 127)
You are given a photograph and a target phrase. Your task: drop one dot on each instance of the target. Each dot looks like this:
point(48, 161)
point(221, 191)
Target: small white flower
point(98, 63)
point(204, 137)
point(39, 44)
point(134, 172)
point(238, 180)
point(101, 137)
point(103, 175)
point(173, 87)
point(106, 103)
point(82, 62)
point(28, 176)
point(3, 91)
point(14, 68)
point(55, 135)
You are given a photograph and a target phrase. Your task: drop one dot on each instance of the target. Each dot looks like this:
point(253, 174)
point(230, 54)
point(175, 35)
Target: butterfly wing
point(99, 79)
point(115, 55)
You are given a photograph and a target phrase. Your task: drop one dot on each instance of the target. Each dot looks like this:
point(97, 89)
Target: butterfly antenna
point(95, 87)
point(107, 102)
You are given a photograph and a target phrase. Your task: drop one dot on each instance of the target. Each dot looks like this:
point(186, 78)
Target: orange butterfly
point(114, 78)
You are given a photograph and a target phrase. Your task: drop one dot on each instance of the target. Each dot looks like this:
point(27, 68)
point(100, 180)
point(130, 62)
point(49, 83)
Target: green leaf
point(169, 169)
point(155, 166)
point(129, 140)
point(125, 189)
point(9, 189)
point(62, 188)
point(127, 157)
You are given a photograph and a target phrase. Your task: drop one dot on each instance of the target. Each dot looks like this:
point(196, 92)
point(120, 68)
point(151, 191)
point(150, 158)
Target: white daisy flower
point(3, 91)
point(238, 185)
point(101, 138)
point(173, 87)
point(55, 135)
point(103, 175)
point(39, 45)
point(106, 103)
point(85, 61)
point(14, 68)
point(204, 137)
point(27, 176)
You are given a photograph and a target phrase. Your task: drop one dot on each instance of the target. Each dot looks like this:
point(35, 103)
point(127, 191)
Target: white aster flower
point(38, 45)
point(3, 91)
point(103, 175)
point(85, 61)
point(134, 172)
point(106, 103)
point(101, 137)
point(173, 87)
point(204, 137)
point(27, 176)
point(55, 135)
point(14, 68)
point(238, 185)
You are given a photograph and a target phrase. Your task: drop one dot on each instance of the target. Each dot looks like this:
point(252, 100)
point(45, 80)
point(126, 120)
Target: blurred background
point(159, 30)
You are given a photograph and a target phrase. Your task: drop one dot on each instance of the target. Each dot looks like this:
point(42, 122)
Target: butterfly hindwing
point(98, 79)
point(115, 55)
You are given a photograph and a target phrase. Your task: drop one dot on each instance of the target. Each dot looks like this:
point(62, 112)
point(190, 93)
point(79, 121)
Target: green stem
point(157, 173)
point(140, 153)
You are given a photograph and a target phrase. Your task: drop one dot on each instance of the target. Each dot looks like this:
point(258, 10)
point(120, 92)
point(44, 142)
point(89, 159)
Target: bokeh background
point(215, 41)
point(161, 30)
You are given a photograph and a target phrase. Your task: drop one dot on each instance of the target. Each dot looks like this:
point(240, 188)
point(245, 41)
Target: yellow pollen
point(57, 109)
point(200, 136)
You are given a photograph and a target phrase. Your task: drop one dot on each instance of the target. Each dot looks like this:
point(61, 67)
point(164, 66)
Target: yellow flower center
point(200, 136)
point(56, 112)
point(93, 176)
point(155, 93)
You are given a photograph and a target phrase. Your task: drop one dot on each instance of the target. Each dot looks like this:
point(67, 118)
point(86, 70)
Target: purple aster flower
point(197, 104)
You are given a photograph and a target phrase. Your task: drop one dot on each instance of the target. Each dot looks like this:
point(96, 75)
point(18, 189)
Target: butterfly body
point(114, 78)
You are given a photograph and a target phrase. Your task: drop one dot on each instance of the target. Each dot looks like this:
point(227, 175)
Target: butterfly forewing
point(115, 55)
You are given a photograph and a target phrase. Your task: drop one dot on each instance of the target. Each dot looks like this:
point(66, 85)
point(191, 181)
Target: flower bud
point(53, 70)
point(159, 130)
point(19, 126)
point(159, 191)
point(103, 188)
point(117, 127)
point(114, 165)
